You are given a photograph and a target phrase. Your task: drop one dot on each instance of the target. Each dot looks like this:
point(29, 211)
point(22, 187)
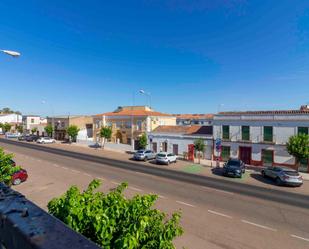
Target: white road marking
point(136, 189)
point(86, 174)
point(39, 160)
point(184, 203)
point(100, 178)
point(117, 183)
point(64, 167)
point(298, 237)
point(220, 214)
point(258, 225)
point(161, 196)
point(76, 171)
point(56, 165)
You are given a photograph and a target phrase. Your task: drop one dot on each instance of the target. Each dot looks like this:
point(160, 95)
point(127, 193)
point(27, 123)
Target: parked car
point(144, 155)
point(46, 140)
point(32, 138)
point(23, 137)
point(11, 135)
point(165, 158)
point(283, 175)
point(234, 167)
point(19, 176)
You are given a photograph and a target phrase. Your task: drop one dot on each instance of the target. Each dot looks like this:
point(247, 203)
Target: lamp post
point(146, 94)
point(10, 52)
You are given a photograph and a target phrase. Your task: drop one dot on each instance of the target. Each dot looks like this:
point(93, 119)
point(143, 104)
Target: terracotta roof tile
point(194, 116)
point(266, 112)
point(135, 113)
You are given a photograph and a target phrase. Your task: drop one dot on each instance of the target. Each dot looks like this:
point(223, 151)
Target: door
point(154, 147)
point(245, 154)
point(267, 157)
point(164, 146)
point(175, 149)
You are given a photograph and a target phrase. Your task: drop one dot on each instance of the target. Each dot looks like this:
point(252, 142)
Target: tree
point(72, 131)
point(298, 146)
point(49, 130)
point(6, 169)
point(7, 110)
point(6, 127)
point(105, 133)
point(113, 221)
point(20, 128)
point(142, 142)
point(34, 130)
point(199, 146)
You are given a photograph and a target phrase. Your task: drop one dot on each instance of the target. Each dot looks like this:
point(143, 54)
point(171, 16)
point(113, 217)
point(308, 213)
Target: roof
point(134, 113)
point(304, 109)
point(266, 112)
point(193, 116)
point(185, 130)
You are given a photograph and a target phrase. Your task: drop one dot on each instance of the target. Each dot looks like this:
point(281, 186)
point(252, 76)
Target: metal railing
point(23, 225)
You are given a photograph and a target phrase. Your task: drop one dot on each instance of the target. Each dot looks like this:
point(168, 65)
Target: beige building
point(61, 123)
point(128, 121)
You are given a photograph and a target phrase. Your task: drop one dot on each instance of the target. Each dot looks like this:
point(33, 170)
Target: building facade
point(130, 122)
point(61, 123)
point(260, 137)
point(34, 121)
point(194, 119)
point(177, 139)
point(12, 119)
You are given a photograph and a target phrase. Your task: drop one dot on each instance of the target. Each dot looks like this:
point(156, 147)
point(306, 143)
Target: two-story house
point(33, 121)
point(130, 122)
point(260, 137)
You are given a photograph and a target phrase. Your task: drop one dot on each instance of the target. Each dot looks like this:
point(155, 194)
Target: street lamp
point(11, 53)
point(146, 94)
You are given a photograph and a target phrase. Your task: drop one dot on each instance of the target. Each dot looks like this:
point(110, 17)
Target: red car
point(19, 176)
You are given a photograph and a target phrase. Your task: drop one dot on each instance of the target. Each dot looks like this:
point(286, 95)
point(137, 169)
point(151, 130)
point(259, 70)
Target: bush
point(6, 169)
point(113, 221)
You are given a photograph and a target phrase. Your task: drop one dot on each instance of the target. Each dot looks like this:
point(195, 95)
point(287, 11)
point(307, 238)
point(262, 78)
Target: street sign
point(218, 144)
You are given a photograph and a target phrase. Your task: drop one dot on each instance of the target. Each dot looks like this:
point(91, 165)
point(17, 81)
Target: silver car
point(283, 175)
point(166, 158)
point(144, 155)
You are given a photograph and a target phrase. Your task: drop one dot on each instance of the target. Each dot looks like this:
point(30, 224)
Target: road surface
point(221, 217)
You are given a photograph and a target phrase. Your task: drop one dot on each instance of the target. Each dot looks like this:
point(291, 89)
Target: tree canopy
point(113, 221)
point(6, 169)
point(142, 142)
point(72, 131)
point(298, 146)
point(49, 129)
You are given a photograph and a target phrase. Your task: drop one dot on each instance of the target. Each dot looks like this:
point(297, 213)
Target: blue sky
point(87, 57)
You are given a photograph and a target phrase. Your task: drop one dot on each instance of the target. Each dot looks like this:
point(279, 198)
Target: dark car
point(283, 175)
point(23, 137)
point(32, 138)
point(234, 167)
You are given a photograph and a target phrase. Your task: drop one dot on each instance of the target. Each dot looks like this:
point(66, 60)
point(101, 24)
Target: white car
point(166, 158)
point(45, 140)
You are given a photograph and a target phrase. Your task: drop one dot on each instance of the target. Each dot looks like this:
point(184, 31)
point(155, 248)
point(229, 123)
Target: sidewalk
point(252, 175)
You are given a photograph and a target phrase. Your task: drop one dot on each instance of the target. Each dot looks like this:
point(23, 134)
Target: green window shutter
point(303, 130)
point(268, 133)
point(245, 133)
point(226, 132)
point(267, 156)
point(225, 153)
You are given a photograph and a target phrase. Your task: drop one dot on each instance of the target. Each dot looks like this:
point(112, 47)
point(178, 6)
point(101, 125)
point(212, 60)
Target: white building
point(260, 137)
point(33, 121)
point(194, 119)
point(12, 118)
point(176, 139)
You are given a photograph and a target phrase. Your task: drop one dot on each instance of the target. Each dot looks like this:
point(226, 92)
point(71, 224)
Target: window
point(268, 133)
point(118, 124)
point(32, 120)
point(139, 125)
point(245, 133)
point(127, 124)
point(225, 153)
point(303, 130)
point(226, 132)
point(267, 157)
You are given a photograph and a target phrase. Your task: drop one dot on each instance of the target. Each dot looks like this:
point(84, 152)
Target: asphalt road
point(216, 214)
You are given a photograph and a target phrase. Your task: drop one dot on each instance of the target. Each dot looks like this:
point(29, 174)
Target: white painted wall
point(11, 118)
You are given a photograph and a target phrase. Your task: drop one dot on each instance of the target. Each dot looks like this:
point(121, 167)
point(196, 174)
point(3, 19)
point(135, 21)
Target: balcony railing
point(23, 225)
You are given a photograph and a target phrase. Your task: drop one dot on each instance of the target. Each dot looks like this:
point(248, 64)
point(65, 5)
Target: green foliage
point(72, 131)
point(6, 169)
point(49, 129)
point(298, 146)
point(199, 145)
point(20, 128)
point(6, 127)
point(7, 110)
point(34, 130)
point(113, 221)
point(142, 142)
point(106, 132)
